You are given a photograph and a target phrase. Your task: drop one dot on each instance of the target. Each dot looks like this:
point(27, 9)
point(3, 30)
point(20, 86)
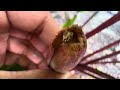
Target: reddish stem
point(90, 18)
point(101, 58)
point(95, 71)
point(106, 47)
point(104, 25)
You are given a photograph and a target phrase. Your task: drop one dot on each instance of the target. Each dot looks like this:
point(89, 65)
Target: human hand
point(26, 34)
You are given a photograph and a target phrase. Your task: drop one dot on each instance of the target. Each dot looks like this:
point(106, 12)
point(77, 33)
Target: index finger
point(4, 27)
point(49, 29)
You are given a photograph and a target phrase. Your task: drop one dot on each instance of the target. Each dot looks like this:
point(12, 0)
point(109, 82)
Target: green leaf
point(14, 67)
point(70, 22)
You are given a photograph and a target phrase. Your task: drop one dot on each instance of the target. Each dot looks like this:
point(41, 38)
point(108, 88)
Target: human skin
point(25, 37)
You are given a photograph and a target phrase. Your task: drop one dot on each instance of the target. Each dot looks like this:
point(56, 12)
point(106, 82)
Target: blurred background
point(90, 20)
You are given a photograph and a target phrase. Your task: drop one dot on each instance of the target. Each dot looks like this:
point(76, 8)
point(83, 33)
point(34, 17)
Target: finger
point(19, 34)
point(26, 20)
point(16, 45)
point(17, 59)
point(46, 51)
point(11, 58)
point(34, 55)
point(38, 44)
point(4, 26)
point(48, 54)
point(19, 46)
point(50, 29)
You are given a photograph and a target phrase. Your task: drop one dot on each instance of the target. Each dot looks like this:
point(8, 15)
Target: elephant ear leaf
point(70, 22)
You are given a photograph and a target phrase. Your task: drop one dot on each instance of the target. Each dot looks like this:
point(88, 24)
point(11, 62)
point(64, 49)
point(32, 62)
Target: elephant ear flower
point(69, 47)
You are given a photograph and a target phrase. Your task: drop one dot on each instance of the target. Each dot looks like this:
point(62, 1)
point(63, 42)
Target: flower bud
point(69, 47)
